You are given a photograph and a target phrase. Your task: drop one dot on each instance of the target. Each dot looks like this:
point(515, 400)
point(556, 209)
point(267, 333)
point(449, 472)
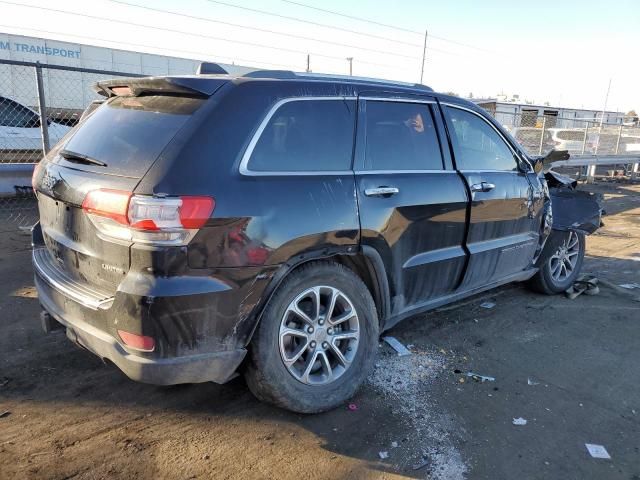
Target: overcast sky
point(563, 52)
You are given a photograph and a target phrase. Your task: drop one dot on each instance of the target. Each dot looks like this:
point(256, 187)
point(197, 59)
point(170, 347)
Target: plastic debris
point(488, 305)
point(597, 451)
point(383, 455)
point(587, 284)
point(480, 378)
point(394, 444)
point(397, 346)
point(519, 421)
point(352, 406)
point(629, 286)
point(422, 464)
point(5, 414)
point(532, 382)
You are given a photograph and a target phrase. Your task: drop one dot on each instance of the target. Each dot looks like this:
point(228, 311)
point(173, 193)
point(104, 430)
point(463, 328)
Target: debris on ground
point(422, 464)
point(480, 378)
point(587, 284)
point(352, 406)
point(394, 343)
point(629, 286)
point(394, 444)
point(383, 455)
point(5, 414)
point(4, 381)
point(597, 451)
point(488, 305)
point(519, 421)
point(532, 382)
point(405, 382)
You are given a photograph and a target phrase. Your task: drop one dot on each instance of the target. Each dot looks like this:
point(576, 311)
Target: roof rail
point(291, 75)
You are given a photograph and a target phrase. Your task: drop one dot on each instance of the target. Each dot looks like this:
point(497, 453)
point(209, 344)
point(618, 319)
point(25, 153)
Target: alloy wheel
point(319, 335)
point(563, 262)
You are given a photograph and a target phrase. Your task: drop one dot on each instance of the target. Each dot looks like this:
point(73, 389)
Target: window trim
point(360, 170)
point(504, 139)
point(246, 157)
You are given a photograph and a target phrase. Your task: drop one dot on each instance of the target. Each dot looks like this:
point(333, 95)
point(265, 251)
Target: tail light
point(137, 342)
point(145, 219)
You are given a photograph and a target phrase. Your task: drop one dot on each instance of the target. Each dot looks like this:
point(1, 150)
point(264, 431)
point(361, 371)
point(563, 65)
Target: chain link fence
point(39, 104)
point(538, 134)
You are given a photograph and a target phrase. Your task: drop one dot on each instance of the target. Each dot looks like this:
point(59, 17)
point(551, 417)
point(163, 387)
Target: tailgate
point(76, 250)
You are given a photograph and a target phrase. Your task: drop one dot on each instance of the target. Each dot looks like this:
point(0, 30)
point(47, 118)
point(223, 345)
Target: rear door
point(412, 202)
point(503, 227)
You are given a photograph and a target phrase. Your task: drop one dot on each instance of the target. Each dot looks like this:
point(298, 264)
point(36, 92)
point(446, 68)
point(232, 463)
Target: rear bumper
point(216, 367)
point(201, 323)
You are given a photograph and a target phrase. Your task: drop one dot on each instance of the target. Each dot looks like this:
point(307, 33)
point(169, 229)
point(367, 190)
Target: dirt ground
point(569, 367)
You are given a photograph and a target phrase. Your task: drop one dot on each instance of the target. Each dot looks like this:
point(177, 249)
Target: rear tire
point(561, 262)
point(316, 341)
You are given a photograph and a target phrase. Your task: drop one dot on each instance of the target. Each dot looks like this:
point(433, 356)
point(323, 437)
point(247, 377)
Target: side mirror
point(552, 156)
point(538, 164)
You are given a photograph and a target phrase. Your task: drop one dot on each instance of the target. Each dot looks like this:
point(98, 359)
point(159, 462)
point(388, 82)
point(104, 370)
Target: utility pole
point(350, 60)
point(308, 63)
point(606, 100)
point(424, 55)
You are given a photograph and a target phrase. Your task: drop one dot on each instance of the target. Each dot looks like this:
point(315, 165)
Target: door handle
point(381, 191)
point(482, 187)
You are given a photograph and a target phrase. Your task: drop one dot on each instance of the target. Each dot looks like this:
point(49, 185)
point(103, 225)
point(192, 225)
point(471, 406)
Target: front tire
point(562, 261)
point(316, 341)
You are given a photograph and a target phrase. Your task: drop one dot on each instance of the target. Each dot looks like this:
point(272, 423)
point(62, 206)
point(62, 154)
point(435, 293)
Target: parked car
point(20, 128)
point(274, 224)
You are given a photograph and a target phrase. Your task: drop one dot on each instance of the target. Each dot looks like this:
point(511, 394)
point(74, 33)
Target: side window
point(477, 146)
point(307, 135)
point(13, 114)
point(401, 136)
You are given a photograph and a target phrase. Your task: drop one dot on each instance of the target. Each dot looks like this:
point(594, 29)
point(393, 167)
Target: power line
point(211, 37)
point(130, 44)
point(264, 30)
point(309, 22)
point(373, 22)
point(402, 29)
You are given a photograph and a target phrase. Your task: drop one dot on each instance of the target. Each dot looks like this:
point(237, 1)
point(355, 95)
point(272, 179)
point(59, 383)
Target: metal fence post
point(44, 126)
point(584, 140)
point(544, 124)
point(618, 140)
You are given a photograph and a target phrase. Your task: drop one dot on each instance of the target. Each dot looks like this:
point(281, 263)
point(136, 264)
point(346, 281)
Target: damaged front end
point(566, 207)
point(573, 209)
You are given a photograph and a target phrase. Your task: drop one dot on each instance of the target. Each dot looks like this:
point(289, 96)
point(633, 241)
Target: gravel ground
point(570, 368)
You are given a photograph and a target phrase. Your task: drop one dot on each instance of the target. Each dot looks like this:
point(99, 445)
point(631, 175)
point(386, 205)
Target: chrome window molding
point(504, 139)
point(396, 172)
point(246, 157)
point(398, 100)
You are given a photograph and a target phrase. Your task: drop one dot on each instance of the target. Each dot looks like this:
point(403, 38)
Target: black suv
point(275, 223)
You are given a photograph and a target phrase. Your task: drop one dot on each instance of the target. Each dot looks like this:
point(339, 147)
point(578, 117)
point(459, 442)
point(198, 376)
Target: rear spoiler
point(191, 85)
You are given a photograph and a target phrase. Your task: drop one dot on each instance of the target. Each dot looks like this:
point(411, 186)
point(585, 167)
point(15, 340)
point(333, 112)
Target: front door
point(503, 224)
point(412, 202)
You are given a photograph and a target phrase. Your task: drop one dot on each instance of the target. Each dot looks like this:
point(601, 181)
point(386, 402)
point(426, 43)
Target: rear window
point(129, 133)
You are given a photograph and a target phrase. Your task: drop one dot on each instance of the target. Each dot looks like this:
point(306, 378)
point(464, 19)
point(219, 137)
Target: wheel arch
point(365, 262)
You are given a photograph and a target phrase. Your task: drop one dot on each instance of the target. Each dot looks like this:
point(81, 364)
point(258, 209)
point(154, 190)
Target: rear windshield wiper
point(79, 158)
